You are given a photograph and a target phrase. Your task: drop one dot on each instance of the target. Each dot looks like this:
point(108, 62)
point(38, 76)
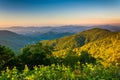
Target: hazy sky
point(58, 12)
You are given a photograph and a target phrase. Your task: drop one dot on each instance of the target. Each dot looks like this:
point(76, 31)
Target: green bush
point(57, 72)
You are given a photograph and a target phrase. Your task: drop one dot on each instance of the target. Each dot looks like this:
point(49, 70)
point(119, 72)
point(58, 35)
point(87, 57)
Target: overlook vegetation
point(89, 55)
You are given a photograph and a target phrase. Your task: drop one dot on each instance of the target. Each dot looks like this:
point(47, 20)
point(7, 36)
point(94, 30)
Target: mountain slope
point(45, 29)
point(17, 41)
point(79, 39)
point(105, 50)
point(13, 40)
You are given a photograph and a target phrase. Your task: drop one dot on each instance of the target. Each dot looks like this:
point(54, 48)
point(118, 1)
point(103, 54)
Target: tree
point(71, 58)
point(85, 57)
point(36, 54)
point(6, 54)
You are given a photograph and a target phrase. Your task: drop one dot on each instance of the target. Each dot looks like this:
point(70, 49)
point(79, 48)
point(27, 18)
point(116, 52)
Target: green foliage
point(70, 59)
point(6, 54)
point(99, 72)
point(57, 72)
point(36, 54)
point(85, 57)
point(106, 51)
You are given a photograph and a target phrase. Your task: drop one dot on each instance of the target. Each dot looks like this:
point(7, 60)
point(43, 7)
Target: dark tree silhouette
point(36, 54)
point(85, 57)
point(6, 54)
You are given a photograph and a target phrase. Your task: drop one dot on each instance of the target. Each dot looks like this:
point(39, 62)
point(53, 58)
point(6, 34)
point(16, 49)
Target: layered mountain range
point(59, 37)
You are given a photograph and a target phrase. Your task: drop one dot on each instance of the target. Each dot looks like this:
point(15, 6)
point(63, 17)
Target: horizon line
point(114, 24)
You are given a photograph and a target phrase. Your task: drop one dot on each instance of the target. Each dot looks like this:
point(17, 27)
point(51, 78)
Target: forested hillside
point(106, 50)
point(79, 39)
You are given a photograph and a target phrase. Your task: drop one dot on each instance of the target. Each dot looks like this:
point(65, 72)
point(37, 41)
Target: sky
point(58, 12)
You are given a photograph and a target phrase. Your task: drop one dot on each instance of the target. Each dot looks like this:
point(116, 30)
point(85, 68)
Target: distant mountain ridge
point(18, 37)
point(49, 35)
point(41, 30)
point(59, 29)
